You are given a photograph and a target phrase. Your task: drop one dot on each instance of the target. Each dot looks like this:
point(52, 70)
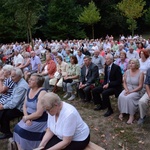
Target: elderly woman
point(6, 83)
point(30, 130)
point(51, 69)
point(65, 127)
point(122, 61)
point(25, 66)
point(129, 97)
point(61, 72)
point(71, 78)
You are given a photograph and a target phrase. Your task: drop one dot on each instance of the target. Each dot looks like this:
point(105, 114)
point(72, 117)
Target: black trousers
point(101, 96)
point(6, 115)
point(85, 93)
point(74, 145)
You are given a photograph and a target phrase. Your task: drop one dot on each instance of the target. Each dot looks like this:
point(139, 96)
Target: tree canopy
point(90, 16)
point(59, 19)
point(132, 9)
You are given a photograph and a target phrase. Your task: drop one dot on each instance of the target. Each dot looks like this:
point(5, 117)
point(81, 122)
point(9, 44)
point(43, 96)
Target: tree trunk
point(92, 31)
point(28, 40)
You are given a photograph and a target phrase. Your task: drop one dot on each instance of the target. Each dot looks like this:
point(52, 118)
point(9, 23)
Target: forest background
point(21, 20)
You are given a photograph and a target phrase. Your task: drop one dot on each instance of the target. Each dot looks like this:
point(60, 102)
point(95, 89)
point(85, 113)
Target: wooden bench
point(92, 146)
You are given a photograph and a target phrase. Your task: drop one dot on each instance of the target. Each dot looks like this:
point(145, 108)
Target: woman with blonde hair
point(133, 85)
point(65, 128)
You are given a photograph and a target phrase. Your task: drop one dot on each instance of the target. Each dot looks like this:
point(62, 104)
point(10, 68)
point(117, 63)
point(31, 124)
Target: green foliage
point(62, 20)
point(90, 15)
point(132, 9)
point(21, 15)
point(147, 17)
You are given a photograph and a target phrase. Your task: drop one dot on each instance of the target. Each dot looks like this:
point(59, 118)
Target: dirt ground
point(109, 133)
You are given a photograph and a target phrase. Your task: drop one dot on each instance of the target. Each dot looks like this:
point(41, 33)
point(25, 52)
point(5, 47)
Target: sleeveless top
point(31, 105)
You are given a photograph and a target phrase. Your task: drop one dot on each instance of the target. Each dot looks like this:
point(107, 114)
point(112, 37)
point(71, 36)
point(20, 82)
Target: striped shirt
point(10, 84)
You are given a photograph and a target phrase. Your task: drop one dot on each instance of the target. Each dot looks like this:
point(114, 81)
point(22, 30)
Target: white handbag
point(57, 75)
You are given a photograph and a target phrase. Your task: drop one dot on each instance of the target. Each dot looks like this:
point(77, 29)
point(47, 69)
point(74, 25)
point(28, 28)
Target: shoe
point(108, 113)
point(66, 95)
point(5, 136)
point(99, 107)
point(141, 120)
point(71, 98)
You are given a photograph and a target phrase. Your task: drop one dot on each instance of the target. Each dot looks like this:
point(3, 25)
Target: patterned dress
point(29, 137)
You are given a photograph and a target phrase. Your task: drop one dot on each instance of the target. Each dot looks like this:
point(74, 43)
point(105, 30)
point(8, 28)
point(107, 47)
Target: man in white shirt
point(132, 54)
point(18, 59)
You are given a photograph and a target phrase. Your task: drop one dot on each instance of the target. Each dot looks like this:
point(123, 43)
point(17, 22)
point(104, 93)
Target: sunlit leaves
point(90, 14)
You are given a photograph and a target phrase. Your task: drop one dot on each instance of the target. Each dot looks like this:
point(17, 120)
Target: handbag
point(57, 75)
point(68, 80)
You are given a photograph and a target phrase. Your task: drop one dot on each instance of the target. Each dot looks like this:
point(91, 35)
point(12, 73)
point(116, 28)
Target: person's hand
point(24, 118)
point(105, 86)
point(127, 93)
point(28, 122)
point(81, 86)
point(2, 78)
point(65, 78)
point(1, 107)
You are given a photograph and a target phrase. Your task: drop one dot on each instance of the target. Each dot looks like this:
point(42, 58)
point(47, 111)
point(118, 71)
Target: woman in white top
point(65, 127)
point(144, 61)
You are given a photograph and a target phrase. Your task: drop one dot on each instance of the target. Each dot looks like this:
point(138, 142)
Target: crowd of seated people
point(124, 65)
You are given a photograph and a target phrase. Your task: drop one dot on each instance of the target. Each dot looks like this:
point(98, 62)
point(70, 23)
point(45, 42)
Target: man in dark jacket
point(89, 74)
point(112, 85)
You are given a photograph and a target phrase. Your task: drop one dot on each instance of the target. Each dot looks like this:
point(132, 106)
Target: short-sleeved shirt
point(18, 60)
point(34, 63)
point(69, 123)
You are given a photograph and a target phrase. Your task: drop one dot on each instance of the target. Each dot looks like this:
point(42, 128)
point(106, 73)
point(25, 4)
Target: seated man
point(12, 108)
point(143, 102)
point(35, 65)
point(89, 74)
point(112, 85)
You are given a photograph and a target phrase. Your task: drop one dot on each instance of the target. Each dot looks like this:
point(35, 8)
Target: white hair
point(8, 67)
point(18, 72)
point(110, 56)
point(50, 99)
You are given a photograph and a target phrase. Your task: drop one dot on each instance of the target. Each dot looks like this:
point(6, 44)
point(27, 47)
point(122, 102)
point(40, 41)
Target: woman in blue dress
point(29, 131)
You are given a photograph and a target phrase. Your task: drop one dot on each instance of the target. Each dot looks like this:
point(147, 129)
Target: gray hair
point(50, 99)
point(110, 56)
point(27, 54)
point(18, 71)
point(136, 61)
point(8, 67)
